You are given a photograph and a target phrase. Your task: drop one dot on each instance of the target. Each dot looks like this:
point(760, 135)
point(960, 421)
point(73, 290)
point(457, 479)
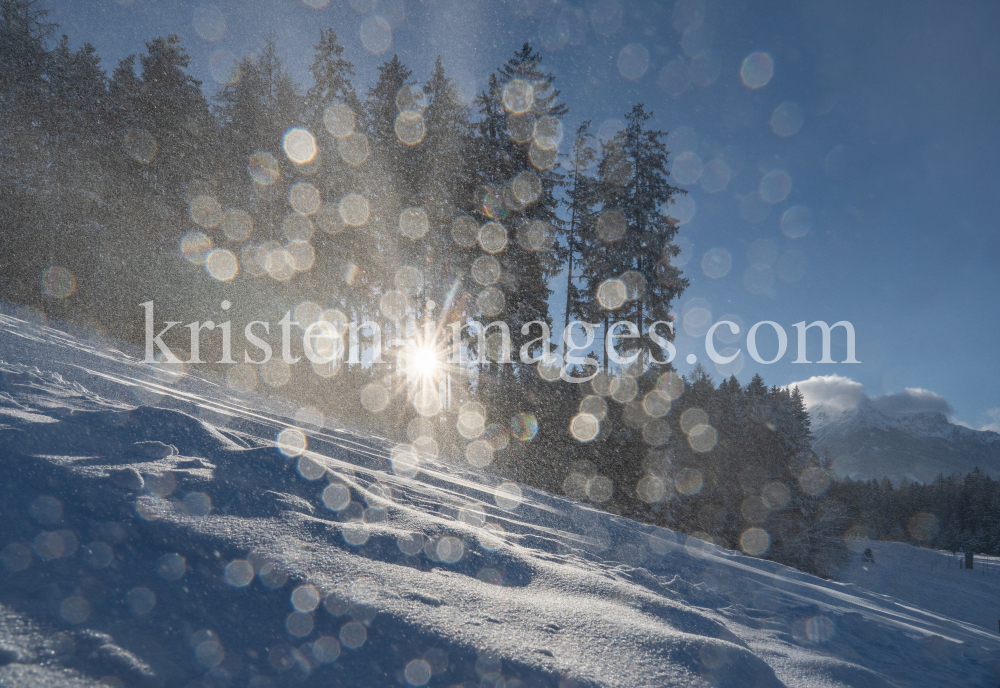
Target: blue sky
point(893, 165)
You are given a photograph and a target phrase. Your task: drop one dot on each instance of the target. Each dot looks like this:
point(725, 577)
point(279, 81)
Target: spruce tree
point(174, 111)
point(634, 187)
point(581, 193)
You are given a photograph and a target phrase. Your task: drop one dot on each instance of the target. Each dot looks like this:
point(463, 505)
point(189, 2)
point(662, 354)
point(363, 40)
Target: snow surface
point(110, 567)
point(931, 580)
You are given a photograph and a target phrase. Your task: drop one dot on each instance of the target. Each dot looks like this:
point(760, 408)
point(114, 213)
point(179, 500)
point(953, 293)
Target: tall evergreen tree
point(24, 37)
point(635, 188)
point(581, 199)
point(506, 148)
point(174, 111)
point(332, 76)
point(390, 176)
point(445, 179)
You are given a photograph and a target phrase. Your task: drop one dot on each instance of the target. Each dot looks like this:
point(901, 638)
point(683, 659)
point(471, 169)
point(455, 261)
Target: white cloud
point(912, 400)
point(835, 392)
point(995, 425)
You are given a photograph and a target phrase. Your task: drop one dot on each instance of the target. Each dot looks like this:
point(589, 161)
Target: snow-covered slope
point(868, 443)
point(931, 580)
point(141, 545)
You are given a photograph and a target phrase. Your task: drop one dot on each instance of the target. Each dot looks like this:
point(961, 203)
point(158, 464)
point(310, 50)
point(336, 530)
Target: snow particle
point(98, 554)
point(786, 119)
point(58, 282)
point(263, 168)
point(508, 496)
point(326, 649)
point(689, 481)
point(291, 442)
point(196, 247)
point(339, 120)
point(479, 453)
point(141, 600)
point(493, 237)
point(599, 489)
point(716, 263)
point(198, 504)
point(376, 34)
point(410, 544)
point(74, 609)
point(151, 508)
point(210, 652)
point(418, 672)
point(775, 186)
point(409, 127)
point(273, 574)
point(703, 438)
point(354, 148)
point(404, 461)
point(584, 427)
point(819, 629)
point(46, 509)
point(633, 61)
point(450, 549)
point(650, 489)
point(656, 432)
point(757, 70)
point(814, 480)
point(336, 496)
point(491, 537)
point(305, 598)
point(755, 541)
point(355, 533)
point(796, 221)
point(413, 223)
point(239, 573)
point(776, 495)
point(140, 145)
point(171, 566)
point(16, 557)
point(518, 96)
point(299, 145)
point(311, 466)
point(365, 590)
point(299, 624)
point(353, 634)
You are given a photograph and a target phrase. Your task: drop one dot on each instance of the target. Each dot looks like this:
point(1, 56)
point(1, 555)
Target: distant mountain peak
point(868, 442)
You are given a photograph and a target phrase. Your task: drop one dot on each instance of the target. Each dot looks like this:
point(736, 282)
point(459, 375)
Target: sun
point(424, 361)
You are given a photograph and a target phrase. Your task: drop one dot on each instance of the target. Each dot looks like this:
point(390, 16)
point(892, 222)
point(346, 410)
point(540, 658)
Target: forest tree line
point(951, 513)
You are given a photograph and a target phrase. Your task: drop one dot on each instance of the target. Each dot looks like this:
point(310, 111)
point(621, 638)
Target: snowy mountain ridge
point(867, 442)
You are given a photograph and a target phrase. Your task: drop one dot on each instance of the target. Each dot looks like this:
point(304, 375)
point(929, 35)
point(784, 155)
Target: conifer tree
point(446, 170)
point(24, 37)
point(581, 195)
point(174, 111)
point(634, 226)
point(509, 144)
point(332, 76)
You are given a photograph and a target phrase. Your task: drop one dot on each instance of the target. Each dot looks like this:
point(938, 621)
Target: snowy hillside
point(153, 535)
point(866, 442)
point(930, 580)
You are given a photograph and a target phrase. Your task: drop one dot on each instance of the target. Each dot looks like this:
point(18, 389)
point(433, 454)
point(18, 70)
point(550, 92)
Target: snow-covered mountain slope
point(143, 546)
point(868, 443)
point(931, 580)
